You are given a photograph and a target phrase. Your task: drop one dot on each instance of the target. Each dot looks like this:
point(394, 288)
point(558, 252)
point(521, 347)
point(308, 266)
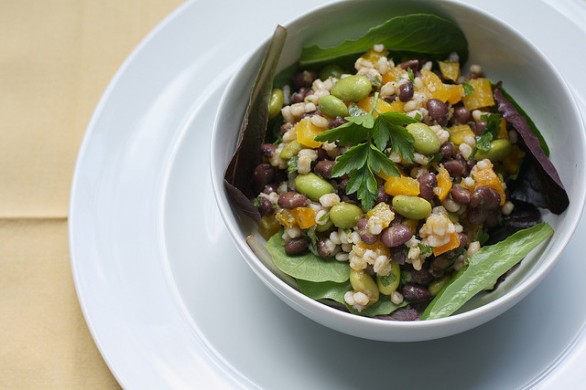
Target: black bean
point(427, 182)
point(296, 245)
point(478, 127)
point(267, 150)
point(265, 207)
point(406, 313)
point(438, 111)
point(406, 91)
point(322, 249)
point(367, 237)
point(399, 254)
point(448, 149)
point(324, 168)
point(486, 198)
point(415, 293)
point(271, 187)
point(456, 168)
point(337, 121)
point(263, 174)
point(322, 154)
point(299, 96)
point(304, 79)
point(477, 216)
point(291, 200)
point(441, 263)
point(422, 277)
point(413, 64)
point(382, 196)
point(396, 235)
point(460, 194)
point(461, 115)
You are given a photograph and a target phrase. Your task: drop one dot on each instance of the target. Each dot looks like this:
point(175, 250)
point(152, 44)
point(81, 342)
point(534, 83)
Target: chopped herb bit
point(425, 250)
point(387, 280)
point(468, 89)
point(410, 74)
point(292, 164)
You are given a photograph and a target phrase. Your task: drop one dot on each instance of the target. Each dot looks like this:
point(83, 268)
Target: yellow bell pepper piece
point(402, 185)
point(481, 96)
point(306, 133)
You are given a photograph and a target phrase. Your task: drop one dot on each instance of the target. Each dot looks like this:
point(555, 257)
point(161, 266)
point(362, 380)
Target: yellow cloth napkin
point(56, 59)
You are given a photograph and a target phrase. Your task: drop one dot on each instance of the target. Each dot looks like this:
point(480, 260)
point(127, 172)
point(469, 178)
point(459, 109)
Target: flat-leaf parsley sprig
point(368, 137)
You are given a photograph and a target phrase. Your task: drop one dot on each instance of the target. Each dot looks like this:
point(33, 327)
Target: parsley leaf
point(468, 89)
point(390, 126)
point(292, 164)
point(353, 159)
point(369, 137)
point(493, 123)
point(387, 280)
point(349, 133)
point(483, 141)
point(365, 120)
point(363, 182)
point(380, 163)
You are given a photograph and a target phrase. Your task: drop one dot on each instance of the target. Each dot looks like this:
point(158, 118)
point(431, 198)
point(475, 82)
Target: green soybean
point(436, 286)
point(363, 282)
point(345, 215)
point(412, 207)
point(332, 106)
point(389, 284)
point(352, 88)
point(290, 150)
point(313, 186)
point(275, 102)
point(330, 71)
point(325, 227)
point(499, 149)
point(425, 140)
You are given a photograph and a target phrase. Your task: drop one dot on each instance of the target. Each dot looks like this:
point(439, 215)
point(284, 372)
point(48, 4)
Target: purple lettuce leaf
point(538, 182)
point(238, 176)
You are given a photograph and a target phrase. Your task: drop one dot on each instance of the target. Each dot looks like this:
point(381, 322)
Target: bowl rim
point(498, 305)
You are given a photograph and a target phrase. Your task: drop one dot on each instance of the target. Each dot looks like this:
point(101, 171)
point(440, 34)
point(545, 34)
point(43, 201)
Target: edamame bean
point(389, 284)
point(363, 282)
point(330, 71)
point(436, 286)
point(425, 140)
point(412, 207)
point(332, 106)
point(275, 102)
point(290, 150)
point(345, 215)
point(499, 149)
point(312, 186)
point(352, 88)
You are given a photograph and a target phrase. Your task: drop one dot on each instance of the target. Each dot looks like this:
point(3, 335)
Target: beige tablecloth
point(56, 59)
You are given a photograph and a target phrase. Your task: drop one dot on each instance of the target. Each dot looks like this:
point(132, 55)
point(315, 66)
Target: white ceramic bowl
point(505, 55)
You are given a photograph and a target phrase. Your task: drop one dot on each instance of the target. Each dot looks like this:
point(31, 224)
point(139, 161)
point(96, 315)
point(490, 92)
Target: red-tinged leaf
point(538, 182)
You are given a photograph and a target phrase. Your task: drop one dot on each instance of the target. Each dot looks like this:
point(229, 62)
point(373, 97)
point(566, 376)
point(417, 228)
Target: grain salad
point(383, 182)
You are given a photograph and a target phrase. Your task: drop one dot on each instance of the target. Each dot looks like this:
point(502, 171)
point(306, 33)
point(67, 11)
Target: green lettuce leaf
point(417, 33)
point(484, 268)
point(308, 266)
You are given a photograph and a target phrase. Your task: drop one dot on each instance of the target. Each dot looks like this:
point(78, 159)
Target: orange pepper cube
point(402, 185)
point(481, 96)
point(444, 183)
point(452, 244)
point(304, 217)
point(306, 133)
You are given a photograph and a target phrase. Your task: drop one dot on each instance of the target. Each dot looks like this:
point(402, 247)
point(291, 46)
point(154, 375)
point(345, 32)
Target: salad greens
point(307, 267)
point(484, 268)
point(416, 33)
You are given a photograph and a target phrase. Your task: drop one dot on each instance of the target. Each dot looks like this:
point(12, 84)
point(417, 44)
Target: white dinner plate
point(169, 301)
